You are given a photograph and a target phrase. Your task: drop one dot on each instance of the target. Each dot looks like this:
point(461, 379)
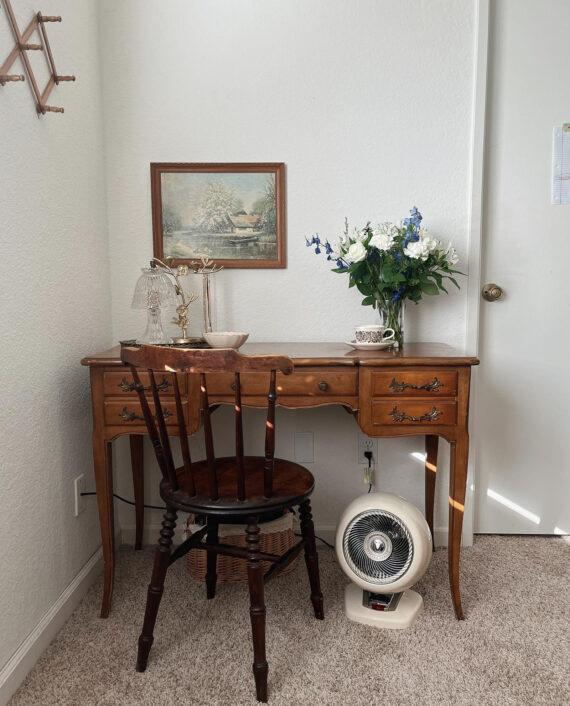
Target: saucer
point(370, 346)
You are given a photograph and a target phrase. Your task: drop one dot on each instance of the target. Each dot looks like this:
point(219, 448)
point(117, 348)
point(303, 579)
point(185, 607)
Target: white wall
point(369, 105)
point(55, 309)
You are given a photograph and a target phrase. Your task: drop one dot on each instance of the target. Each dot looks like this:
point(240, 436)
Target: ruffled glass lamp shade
point(154, 291)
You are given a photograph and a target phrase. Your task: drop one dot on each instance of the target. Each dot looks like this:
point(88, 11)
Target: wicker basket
point(275, 537)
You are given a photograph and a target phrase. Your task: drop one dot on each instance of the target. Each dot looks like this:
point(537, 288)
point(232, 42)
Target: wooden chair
point(246, 487)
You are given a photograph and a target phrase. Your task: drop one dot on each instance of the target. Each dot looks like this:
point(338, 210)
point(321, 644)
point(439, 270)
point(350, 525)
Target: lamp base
point(154, 333)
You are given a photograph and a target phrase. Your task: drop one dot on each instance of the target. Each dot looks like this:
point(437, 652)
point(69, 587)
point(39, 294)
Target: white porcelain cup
point(374, 333)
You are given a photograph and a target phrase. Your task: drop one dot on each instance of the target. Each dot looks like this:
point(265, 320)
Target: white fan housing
point(384, 546)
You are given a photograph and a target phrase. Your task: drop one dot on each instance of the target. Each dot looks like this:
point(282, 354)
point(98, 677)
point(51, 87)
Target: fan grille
point(378, 546)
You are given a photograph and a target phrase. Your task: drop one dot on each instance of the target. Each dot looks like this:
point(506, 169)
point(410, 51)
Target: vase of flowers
point(390, 264)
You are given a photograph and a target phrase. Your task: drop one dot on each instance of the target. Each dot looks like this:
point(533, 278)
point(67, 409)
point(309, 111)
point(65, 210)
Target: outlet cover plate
point(366, 443)
point(79, 487)
point(304, 446)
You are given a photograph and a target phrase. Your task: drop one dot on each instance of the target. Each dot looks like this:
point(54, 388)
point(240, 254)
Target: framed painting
point(233, 214)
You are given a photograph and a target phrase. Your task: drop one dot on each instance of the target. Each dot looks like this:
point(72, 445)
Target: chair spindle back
point(202, 362)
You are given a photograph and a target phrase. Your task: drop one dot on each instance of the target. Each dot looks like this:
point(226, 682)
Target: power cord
point(368, 455)
point(324, 541)
point(130, 502)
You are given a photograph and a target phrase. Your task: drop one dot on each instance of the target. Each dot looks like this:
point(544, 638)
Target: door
point(523, 420)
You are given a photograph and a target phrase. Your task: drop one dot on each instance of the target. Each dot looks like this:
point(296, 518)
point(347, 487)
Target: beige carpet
point(514, 647)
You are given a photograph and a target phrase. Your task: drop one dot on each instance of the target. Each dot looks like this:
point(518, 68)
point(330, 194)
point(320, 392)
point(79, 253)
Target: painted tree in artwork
point(170, 219)
point(265, 207)
point(217, 203)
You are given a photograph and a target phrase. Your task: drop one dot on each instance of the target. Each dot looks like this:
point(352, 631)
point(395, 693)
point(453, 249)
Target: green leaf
point(454, 282)
point(368, 301)
point(363, 288)
point(429, 288)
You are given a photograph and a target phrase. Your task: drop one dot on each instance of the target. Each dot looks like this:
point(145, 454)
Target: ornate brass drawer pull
point(323, 386)
point(431, 416)
point(128, 415)
point(432, 386)
point(127, 386)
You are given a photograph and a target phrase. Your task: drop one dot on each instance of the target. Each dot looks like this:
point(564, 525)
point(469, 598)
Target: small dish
point(357, 345)
point(226, 339)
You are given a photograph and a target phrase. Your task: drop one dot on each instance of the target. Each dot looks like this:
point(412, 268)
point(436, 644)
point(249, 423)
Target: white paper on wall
point(561, 165)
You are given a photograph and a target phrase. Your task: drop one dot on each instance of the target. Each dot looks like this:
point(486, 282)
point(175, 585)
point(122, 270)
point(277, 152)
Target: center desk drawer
point(303, 382)
point(414, 383)
point(121, 383)
point(129, 412)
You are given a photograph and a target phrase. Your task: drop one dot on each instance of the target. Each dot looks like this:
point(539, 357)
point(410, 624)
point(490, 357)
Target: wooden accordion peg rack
point(23, 46)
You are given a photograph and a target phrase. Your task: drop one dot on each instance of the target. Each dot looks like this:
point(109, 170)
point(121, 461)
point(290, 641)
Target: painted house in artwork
point(243, 223)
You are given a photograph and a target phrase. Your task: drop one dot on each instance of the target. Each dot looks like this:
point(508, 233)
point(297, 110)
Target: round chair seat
point(292, 484)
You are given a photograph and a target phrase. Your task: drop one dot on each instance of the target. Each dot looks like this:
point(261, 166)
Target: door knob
point(491, 292)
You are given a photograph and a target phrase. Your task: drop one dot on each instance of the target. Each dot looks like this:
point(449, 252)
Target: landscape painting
point(233, 214)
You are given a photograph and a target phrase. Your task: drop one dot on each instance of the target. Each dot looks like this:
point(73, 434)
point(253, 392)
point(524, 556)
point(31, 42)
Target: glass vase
point(392, 316)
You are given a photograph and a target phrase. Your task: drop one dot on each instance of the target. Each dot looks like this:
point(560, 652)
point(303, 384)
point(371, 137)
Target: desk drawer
point(304, 383)
point(117, 384)
point(408, 412)
point(414, 383)
point(129, 413)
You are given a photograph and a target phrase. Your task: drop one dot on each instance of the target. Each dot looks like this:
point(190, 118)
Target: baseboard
point(16, 669)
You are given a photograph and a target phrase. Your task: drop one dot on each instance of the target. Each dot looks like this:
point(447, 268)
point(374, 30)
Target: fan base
point(407, 610)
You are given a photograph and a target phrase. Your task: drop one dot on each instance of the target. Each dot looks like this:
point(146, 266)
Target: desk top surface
point(331, 354)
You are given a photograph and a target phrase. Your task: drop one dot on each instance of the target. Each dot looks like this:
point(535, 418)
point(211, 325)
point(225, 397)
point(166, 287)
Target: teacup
point(374, 333)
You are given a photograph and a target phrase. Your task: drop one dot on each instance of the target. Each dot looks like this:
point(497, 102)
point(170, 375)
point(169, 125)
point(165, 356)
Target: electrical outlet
point(365, 443)
point(79, 486)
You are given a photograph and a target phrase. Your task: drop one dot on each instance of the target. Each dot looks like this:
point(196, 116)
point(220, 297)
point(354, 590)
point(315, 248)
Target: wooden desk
point(422, 390)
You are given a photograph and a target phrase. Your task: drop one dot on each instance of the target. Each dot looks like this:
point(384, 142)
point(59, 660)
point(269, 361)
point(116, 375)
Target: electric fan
point(384, 546)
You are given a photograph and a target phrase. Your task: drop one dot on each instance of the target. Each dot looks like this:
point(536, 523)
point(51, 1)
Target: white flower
point(381, 241)
point(418, 250)
point(451, 255)
point(356, 252)
point(383, 237)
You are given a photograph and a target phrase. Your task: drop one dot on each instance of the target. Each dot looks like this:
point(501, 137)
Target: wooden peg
point(58, 79)
point(7, 78)
point(48, 18)
point(52, 109)
point(30, 47)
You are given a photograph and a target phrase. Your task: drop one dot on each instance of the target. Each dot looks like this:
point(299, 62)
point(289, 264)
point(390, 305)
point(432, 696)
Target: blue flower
point(308, 242)
point(328, 248)
point(412, 225)
point(397, 295)
point(415, 218)
point(317, 249)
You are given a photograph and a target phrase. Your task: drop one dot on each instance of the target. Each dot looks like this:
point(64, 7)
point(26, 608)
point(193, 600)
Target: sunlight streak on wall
point(513, 506)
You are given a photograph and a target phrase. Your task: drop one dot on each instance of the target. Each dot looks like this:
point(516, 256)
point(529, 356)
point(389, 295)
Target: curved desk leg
point(137, 468)
point(457, 486)
point(104, 484)
point(432, 443)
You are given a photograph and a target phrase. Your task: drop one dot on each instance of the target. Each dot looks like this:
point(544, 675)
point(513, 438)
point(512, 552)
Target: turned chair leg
point(211, 576)
point(256, 609)
point(156, 586)
point(311, 558)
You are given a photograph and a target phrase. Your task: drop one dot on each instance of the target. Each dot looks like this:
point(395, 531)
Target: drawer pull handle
point(432, 386)
point(431, 416)
point(323, 386)
point(128, 415)
point(127, 386)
